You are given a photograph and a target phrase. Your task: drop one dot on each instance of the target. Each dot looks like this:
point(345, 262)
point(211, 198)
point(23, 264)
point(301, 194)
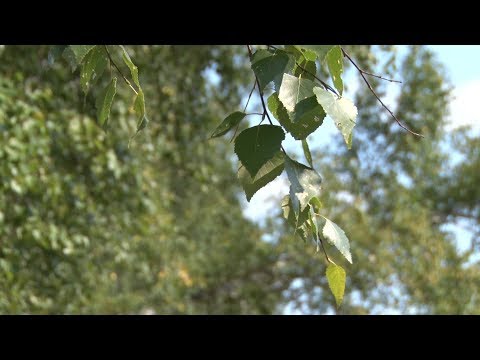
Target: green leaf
point(269, 66)
point(93, 67)
point(335, 66)
point(304, 183)
point(305, 69)
point(336, 278)
point(301, 53)
point(320, 50)
point(230, 122)
point(133, 68)
point(309, 114)
point(306, 119)
point(280, 113)
point(304, 62)
point(306, 151)
point(256, 145)
point(81, 51)
point(293, 90)
point(267, 173)
point(342, 111)
point(309, 55)
point(104, 102)
point(75, 54)
point(299, 224)
point(316, 204)
point(139, 104)
point(139, 107)
point(336, 236)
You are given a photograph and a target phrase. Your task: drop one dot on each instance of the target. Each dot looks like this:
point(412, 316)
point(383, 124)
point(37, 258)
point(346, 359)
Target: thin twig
point(265, 112)
point(250, 95)
point(119, 71)
point(378, 98)
point(380, 77)
point(369, 73)
point(245, 109)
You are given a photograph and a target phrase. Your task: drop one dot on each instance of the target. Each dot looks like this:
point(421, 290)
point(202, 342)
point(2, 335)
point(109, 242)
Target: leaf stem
point(260, 92)
point(325, 251)
point(119, 71)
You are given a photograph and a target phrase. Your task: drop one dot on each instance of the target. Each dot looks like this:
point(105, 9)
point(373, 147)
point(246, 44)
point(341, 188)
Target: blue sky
point(460, 60)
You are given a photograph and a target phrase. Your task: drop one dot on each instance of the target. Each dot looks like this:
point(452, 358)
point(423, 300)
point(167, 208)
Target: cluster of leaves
point(400, 196)
point(92, 61)
point(299, 101)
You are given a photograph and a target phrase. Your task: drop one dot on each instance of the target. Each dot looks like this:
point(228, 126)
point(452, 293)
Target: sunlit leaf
point(335, 66)
point(293, 90)
point(342, 111)
point(305, 183)
point(336, 236)
point(336, 278)
point(320, 50)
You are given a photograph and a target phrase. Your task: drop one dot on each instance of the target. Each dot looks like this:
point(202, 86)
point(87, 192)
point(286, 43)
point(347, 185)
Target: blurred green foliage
point(88, 225)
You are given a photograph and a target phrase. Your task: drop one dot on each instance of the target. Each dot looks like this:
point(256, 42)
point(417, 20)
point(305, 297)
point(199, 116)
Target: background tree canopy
point(89, 224)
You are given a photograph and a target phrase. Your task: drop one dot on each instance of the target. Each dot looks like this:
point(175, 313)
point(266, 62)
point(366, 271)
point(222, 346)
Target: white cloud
point(465, 108)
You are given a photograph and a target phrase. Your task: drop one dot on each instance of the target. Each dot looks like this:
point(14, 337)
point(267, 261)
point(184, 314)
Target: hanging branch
point(362, 73)
point(260, 92)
